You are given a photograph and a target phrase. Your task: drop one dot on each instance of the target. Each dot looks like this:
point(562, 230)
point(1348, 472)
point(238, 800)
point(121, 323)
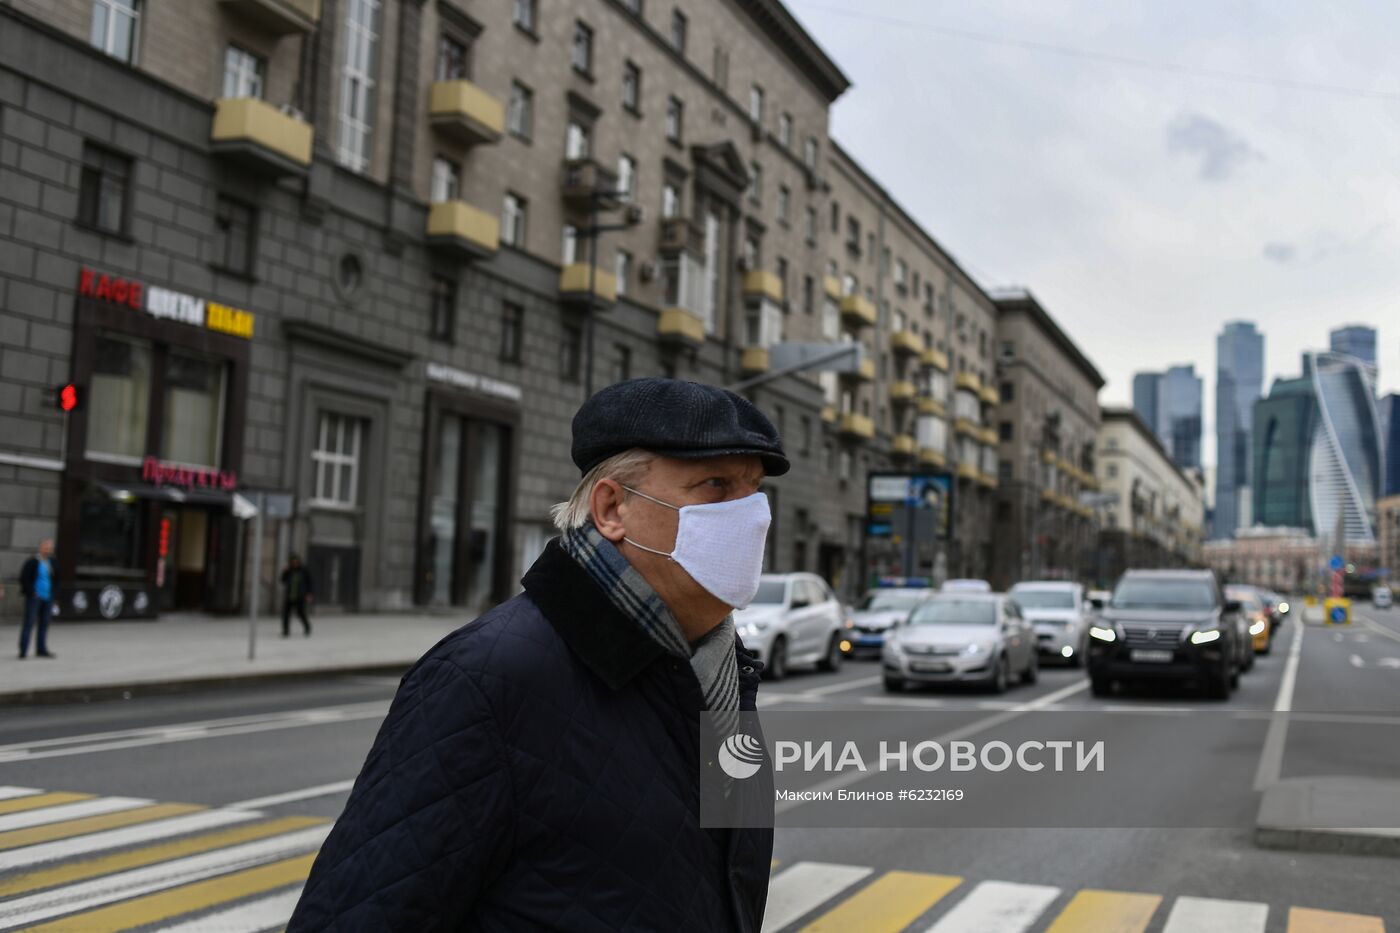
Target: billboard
point(909, 505)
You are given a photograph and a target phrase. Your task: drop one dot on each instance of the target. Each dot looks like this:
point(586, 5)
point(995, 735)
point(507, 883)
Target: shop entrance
point(196, 557)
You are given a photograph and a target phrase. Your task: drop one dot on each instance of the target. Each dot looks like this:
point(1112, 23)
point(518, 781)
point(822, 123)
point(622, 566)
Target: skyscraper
point(1170, 404)
point(1239, 381)
point(1147, 394)
point(1390, 444)
point(1284, 424)
point(1356, 340)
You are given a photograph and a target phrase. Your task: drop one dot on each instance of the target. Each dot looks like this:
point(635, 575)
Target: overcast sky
point(1144, 206)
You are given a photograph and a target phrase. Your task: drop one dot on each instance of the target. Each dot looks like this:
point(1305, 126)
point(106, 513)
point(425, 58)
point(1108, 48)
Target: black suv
point(1166, 624)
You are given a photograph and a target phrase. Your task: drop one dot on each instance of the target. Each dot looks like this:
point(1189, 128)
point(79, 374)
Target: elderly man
point(540, 767)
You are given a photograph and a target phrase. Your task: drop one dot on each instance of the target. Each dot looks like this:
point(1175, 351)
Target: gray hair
point(627, 468)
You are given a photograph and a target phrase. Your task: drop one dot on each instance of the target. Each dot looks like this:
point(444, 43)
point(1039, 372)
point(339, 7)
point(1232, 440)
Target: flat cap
point(674, 418)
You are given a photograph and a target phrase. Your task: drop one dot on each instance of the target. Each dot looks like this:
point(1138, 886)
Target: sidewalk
point(101, 659)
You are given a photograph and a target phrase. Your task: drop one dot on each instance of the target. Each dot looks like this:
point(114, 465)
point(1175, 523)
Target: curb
point(1330, 814)
point(1351, 842)
point(126, 691)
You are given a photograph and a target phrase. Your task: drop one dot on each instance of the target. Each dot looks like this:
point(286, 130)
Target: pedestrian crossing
point(821, 896)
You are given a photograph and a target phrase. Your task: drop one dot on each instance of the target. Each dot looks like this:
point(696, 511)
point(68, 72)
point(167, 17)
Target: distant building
point(1284, 424)
point(1359, 341)
point(1170, 404)
point(1388, 518)
point(1282, 559)
point(1239, 381)
point(1389, 409)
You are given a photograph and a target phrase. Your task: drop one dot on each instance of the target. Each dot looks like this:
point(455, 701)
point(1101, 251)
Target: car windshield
point(890, 601)
point(1249, 598)
point(1031, 598)
point(955, 612)
point(1146, 593)
point(770, 592)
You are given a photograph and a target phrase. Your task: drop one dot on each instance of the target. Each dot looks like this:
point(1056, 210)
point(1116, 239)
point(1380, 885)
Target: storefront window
point(110, 536)
point(194, 410)
point(119, 399)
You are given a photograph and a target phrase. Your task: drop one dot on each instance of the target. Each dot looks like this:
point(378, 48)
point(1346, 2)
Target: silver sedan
point(961, 638)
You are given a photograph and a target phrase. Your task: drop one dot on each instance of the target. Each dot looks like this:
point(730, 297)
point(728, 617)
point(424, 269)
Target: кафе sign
point(165, 303)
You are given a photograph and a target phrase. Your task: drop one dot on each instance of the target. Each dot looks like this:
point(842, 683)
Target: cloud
point(1321, 245)
point(1282, 253)
point(1221, 152)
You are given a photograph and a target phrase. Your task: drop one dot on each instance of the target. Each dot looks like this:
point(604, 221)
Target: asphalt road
point(290, 750)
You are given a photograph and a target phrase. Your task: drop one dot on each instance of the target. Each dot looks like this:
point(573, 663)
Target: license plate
point(930, 667)
point(1151, 655)
point(870, 639)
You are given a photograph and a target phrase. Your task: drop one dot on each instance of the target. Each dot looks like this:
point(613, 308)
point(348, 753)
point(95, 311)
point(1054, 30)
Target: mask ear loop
point(643, 547)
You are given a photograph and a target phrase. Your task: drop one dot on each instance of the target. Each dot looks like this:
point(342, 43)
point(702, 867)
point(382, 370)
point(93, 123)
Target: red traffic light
point(69, 398)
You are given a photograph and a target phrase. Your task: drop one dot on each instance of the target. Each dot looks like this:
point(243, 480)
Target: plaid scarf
point(711, 658)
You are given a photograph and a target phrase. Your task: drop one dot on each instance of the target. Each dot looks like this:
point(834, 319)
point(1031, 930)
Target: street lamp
point(632, 215)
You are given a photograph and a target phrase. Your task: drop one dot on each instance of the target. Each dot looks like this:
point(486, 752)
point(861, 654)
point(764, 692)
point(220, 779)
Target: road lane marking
point(150, 855)
point(1307, 920)
point(997, 907)
point(804, 886)
point(888, 904)
point(70, 811)
point(154, 908)
point(263, 914)
point(1356, 661)
point(1093, 911)
point(291, 796)
point(36, 801)
point(844, 686)
point(9, 793)
point(1376, 627)
point(83, 837)
point(1271, 757)
point(1212, 915)
point(88, 895)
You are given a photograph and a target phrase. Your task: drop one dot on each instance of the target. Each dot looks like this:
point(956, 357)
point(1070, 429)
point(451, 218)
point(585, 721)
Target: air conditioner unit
point(745, 264)
point(292, 112)
point(634, 214)
point(649, 270)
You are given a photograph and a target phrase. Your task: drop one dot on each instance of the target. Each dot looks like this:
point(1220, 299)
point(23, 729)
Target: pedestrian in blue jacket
point(39, 585)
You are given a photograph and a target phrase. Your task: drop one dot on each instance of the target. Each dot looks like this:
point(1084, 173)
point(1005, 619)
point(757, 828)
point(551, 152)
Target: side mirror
point(799, 604)
point(1232, 606)
point(1096, 604)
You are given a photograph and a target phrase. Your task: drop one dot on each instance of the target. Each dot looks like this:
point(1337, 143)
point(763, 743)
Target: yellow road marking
point(1106, 912)
point(16, 838)
point(1307, 920)
point(890, 903)
point(150, 855)
point(35, 801)
point(186, 899)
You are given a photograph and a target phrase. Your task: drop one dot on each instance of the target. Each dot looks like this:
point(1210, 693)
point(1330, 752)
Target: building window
point(835, 217)
point(447, 179)
point(244, 73)
point(1005, 430)
point(513, 220)
point(357, 84)
point(192, 429)
point(675, 119)
point(114, 27)
point(571, 353)
point(444, 309)
point(234, 223)
point(622, 269)
point(568, 251)
point(756, 104)
point(520, 117)
point(809, 226)
point(670, 200)
point(809, 289)
point(581, 54)
point(853, 235)
point(335, 460)
point(755, 183)
point(512, 327)
point(103, 197)
point(119, 399)
point(806, 448)
point(721, 68)
point(679, 27)
point(784, 204)
point(524, 15)
point(1112, 471)
point(785, 130)
point(631, 87)
point(578, 141)
point(622, 371)
point(454, 59)
point(809, 153)
point(626, 177)
point(782, 272)
point(901, 275)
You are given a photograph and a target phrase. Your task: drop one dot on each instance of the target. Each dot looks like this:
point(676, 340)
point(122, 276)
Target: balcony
point(990, 395)
point(277, 17)
point(856, 427)
point(902, 445)
point(986, 480)
point(457, 228)
point(677, 327)
point(573, 285)
point(583, 180)
point(857, 312)
point(464, 112)
point(829, 414)
point(967, 427)
point(969, 472)
point(935, 359)
point(902, 392)
point(1048, 496)
point(968, 382)
point(988, 437)
point(906, 343)
point(679, 235)
point(864, 372)
point(754, 360)
point(832, 286)
point(929, 456)
point(1047, 456)
point(932, 406)
point(760, 284)
point(257, 135)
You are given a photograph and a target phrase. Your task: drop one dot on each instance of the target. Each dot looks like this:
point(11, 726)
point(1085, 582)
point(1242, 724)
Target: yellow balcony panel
point(466, 113)
point(929, 456)
point(832, 286)
point(260, 136)
point(990, 395)
point(760, 283)
point(829, 414)
point(986, 480)
point(1047, 495)
point(969, 472)
point(754, 360)
point(935, 359)
point(906, 343)
point(1065, 467)
point(932, 406)
point(857, 312)
point(988, 437)
point(968, 382)
point(1047, 456)
point(902, 392)
point(902, 445)
point(457, 227)
point(678, 327)
point(857, 427)
point(964, 426)
point(278, 17)
point(573, 284)
point(864, 373)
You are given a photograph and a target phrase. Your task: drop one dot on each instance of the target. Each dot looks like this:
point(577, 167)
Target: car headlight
point(1282, 608)
point(973, 649)
point(893, 647)
point(1258, 627)
point(1102, 634)
point(1205, 636)
point(850, 623)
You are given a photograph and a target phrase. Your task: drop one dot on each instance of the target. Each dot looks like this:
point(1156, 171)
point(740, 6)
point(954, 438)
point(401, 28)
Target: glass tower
point(1239, 381)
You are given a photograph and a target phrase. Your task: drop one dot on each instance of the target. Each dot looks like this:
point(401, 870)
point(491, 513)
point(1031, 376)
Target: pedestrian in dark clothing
point(39, 585)
point(540, 768)
point(296, 583)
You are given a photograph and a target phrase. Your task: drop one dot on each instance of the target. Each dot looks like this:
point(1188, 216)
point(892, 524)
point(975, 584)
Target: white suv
point(794, 619)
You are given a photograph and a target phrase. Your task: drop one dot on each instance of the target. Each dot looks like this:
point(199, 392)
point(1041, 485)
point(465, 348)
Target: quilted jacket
point(539, 770)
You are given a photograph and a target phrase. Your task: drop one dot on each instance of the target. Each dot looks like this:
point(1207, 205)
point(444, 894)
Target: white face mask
point(720, 544)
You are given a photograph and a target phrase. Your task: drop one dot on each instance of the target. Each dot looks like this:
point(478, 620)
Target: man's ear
point(605, 505)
